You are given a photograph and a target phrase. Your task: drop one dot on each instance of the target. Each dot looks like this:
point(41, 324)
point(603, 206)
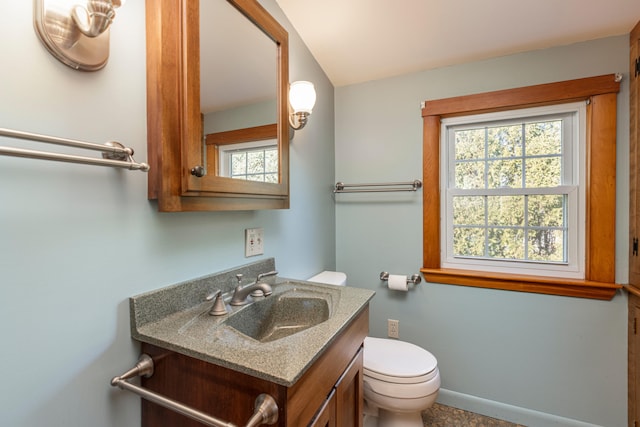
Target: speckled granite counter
point(176, 318)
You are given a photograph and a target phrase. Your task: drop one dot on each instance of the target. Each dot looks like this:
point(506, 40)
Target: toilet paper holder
point(415, 278)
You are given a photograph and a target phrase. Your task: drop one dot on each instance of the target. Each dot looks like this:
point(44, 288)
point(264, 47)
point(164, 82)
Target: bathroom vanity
point(329, 393)
point(220, 364)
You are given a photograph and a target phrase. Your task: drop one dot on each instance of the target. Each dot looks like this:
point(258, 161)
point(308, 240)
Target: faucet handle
point(261, 275)
point(258, 292)
point(218, 308)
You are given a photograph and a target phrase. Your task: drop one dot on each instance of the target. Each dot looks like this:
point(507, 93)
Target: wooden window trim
point(257, 133)
point(601, 92)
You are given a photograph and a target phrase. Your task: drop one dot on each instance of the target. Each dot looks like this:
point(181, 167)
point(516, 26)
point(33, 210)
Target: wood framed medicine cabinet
point(180, 46)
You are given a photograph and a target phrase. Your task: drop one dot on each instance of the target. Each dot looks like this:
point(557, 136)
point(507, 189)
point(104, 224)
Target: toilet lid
point(397, 359)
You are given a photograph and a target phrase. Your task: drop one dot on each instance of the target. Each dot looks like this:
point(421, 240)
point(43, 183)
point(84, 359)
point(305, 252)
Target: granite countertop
point(174, 319)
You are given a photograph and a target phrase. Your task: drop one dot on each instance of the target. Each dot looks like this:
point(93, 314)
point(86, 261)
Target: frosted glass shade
point(302, 96)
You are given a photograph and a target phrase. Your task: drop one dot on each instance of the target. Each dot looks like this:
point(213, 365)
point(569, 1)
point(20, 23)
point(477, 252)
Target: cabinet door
point(634, 359)
point(634, 157)
point(326, 416)
point(634, 226)
point(349, 394)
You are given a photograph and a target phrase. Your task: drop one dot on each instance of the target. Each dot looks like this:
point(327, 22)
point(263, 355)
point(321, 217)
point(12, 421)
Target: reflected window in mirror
point(249, 154)
point(252, 161)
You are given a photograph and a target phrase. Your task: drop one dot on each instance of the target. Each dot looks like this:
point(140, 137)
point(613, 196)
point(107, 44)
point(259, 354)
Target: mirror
point(238, 96)
point(217, 79)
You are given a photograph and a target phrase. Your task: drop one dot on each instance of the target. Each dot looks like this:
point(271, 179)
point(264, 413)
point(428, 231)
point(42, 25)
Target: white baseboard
point(502, 411)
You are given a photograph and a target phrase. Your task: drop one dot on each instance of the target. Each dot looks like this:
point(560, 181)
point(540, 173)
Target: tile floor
point(447, 416)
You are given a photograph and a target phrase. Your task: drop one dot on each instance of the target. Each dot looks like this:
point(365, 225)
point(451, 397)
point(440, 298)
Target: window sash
point(573, 119)
point(227, 152)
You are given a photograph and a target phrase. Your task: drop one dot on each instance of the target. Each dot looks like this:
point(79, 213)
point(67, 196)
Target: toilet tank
point(330, 277)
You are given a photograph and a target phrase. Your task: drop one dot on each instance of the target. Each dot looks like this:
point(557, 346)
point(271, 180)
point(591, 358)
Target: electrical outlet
point(253, 242)
point(393, 328)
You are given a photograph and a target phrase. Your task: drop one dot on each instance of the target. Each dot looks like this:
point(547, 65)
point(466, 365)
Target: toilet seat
point(401, 380)
point(398, 362)
point(399, 369)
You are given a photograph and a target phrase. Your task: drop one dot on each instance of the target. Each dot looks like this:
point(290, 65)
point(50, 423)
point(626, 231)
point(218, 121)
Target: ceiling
point(360, 40)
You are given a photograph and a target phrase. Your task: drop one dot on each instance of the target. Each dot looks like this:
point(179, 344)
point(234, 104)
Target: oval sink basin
point(283, 315)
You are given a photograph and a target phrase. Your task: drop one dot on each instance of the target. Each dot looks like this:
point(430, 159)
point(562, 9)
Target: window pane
point(271, 161)
point(255, 162)
point(469, 175)
point(271, 177)
point(544, 138)
point(506, 243)
point(546, 245)
point(505, 174)
point(468, 241)
point(504, 141)
point(238, 164)
point(469, 144)
point(546, 210)
point(468, 210)
point(543, 172)
point(505, 210)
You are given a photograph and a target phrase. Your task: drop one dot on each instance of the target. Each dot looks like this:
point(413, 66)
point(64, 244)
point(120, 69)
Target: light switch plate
point(253, 242)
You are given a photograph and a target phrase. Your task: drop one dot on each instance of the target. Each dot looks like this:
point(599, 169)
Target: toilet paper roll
point(398, 282)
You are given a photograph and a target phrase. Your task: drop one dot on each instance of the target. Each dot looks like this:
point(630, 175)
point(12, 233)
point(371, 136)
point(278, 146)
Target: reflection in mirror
point(238, 95)
point(249, 153)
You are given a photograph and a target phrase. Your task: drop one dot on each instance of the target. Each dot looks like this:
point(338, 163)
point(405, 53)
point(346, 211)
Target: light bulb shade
point(302, 97)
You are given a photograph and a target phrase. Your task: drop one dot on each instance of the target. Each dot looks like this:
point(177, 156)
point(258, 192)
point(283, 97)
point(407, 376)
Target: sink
point(282, 315)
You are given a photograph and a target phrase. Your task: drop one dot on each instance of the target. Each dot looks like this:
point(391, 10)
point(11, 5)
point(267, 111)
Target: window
point(248, 154)
point(252, 161)
point(519, 189)
point(513, 191)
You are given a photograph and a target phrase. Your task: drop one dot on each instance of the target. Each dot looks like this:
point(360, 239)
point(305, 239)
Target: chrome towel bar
point(114, 154)
point(341, 187)
point(266, 408)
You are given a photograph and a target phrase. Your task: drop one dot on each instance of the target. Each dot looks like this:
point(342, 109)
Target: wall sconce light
point(302, 98)
point(76, 34)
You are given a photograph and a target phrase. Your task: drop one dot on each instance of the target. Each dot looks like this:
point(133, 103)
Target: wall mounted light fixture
point(302, 98)
point(76, 34)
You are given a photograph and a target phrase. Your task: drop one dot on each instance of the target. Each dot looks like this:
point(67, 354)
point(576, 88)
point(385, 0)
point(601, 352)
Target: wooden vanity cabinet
point(349, 394)
point(326, 417)
point(329, 393)
point(343, 406)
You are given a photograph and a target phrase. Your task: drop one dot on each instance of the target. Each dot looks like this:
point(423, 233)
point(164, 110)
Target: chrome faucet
point(241, 293)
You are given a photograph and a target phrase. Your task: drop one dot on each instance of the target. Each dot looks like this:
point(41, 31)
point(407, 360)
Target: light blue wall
point(536, 359)
point(76, 241)
point(258, 114)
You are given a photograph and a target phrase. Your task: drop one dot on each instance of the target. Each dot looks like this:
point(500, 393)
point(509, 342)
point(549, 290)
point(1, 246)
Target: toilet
point(400, 379)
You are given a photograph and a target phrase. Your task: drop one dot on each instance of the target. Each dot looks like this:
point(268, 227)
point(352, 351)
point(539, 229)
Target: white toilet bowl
point(400, 379)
